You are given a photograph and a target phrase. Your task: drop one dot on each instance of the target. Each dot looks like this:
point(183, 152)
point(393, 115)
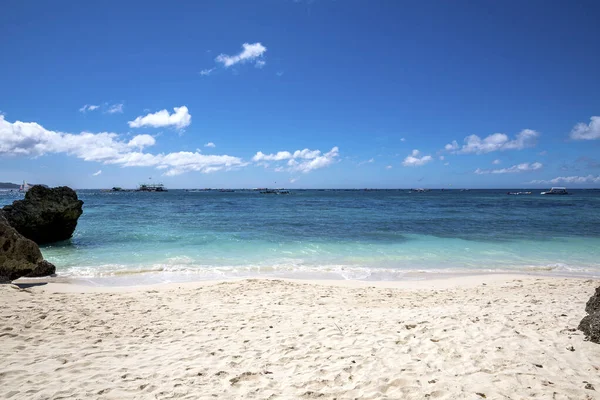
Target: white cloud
point(97, 173)
point(179, 119)
point(570, 179)
point(515, 169)
point(282, 155)
point(543, 153)
point(301, 160)
point(206, 72)
point(370, 161)
point(318, 162)
point(88, 107)
point(446, 163)
point(442, 158)
point(473, 144)
point(581, 131)
point(141, 141)
point(293, 180)
point(388, 167)
point(496, 162)
point(403, 140)
point(452, 146)
point(250, 52)
point(413, 160)
point(210, 144)
point(306, 154)
point(260, 64)
point(32, 139)
point(115, 109)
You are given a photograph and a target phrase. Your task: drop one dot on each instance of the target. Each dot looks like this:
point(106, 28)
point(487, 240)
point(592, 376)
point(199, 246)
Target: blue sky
point(301, 94)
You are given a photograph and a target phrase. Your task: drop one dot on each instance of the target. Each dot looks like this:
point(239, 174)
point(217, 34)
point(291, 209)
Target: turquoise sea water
point(371, 235)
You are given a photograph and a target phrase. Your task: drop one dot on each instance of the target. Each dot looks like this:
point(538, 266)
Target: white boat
point(556, 190)
point(24, 187)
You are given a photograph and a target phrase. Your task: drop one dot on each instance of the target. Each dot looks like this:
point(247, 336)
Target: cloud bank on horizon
point(515, 169)
point(31, 139)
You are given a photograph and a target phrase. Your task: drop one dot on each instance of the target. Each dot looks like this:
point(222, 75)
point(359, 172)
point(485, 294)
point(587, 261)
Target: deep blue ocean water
point(372, 235)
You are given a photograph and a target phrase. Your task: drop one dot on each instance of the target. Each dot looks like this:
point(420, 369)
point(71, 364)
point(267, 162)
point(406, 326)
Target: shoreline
point(414, 281)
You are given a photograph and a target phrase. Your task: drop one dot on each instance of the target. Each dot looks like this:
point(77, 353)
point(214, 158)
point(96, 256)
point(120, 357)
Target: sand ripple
point(270, 339)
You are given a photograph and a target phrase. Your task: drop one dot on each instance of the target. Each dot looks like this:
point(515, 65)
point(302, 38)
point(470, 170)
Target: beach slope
point(486, 337)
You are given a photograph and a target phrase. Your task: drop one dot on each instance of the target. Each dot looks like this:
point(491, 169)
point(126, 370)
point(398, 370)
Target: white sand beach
point(486, 336)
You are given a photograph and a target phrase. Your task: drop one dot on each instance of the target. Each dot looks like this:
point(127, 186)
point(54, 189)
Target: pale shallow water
point(368, 235)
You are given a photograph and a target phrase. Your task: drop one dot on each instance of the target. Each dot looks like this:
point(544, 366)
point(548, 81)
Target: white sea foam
point(185, 269)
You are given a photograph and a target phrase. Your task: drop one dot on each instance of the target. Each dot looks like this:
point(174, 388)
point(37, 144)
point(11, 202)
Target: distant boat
point(557, 190)
point(518, 193)
point(151, 187)
point(24, 187)
point(274, 191)
point(117, 189)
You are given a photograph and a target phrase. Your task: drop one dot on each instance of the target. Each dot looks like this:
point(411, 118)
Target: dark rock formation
point(20, 256)
point(46, 215)
point(593, 304)
point(590, 324)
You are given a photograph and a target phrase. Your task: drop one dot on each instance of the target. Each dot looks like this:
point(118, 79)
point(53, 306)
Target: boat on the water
point(275, 191)
point(24, 187)
point(557, 190)
point(151, 187)
point(117, 189)
point(518, 193)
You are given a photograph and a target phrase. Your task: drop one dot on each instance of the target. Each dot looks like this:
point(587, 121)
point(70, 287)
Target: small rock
point(539, 365)
point(571, 348)
point(589, 386)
